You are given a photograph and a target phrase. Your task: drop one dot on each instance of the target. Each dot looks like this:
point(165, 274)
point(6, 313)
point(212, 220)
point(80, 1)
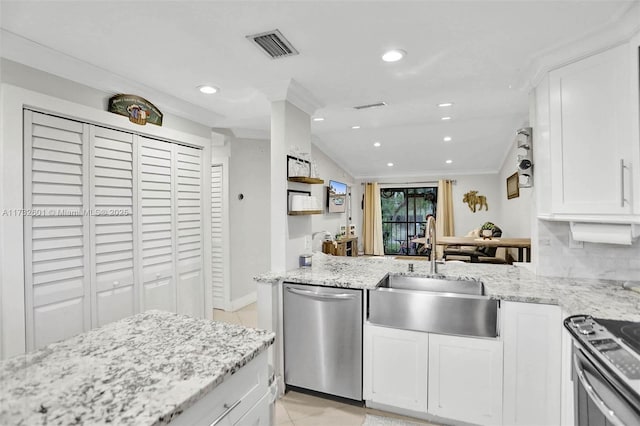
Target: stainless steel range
point(606, 371)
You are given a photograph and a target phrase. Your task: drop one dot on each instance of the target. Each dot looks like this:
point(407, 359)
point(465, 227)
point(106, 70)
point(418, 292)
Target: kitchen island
point(142, 370)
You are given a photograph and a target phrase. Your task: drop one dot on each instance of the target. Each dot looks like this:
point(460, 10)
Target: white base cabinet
point(532, 336)
point(465, 379)
point(242, 399)
point(395, 367)
point(458, 378)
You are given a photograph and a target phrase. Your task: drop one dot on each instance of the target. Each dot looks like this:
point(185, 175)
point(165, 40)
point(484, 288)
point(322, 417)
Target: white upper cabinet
point(634, 47)
point(593, 151)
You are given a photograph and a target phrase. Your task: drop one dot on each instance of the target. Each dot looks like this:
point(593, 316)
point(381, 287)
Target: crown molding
point(38, 56)
point(293, 92)
point(618, 30)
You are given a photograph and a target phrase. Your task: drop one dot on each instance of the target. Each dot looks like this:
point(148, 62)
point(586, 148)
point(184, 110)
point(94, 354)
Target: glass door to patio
point(403, 218)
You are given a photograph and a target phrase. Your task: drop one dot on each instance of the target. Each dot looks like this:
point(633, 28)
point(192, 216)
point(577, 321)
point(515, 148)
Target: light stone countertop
point(599, 298)
point(141, 370)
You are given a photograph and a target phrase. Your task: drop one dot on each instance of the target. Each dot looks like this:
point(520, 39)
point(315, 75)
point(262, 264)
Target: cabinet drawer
point(241, 391)
point(259, 414)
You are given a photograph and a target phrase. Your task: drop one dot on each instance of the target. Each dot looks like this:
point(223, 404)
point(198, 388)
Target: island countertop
point(140, 370)
point(599, 298)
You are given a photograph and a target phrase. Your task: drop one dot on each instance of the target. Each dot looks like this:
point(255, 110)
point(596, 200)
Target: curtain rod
point(431, 182)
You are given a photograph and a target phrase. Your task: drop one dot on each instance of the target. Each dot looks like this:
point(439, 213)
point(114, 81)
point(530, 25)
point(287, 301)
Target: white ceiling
point(478, 54)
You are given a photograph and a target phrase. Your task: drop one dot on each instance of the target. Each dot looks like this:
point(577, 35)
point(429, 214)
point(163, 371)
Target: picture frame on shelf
point(513, 187)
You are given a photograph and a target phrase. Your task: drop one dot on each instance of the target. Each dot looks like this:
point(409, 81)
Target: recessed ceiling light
point(390, 164)
point(445, 104)
point(208, 90)
point(393, 55)
point(376, 144)
point(449, 161)
point(318, 119)
point(447, 139)
point(355, 127)
point(445, 118)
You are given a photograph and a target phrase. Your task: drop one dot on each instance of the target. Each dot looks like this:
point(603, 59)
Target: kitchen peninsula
point(151, 368)
point(520, 375)
point(600, 298)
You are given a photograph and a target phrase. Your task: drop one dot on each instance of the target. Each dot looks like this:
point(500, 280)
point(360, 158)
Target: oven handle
point(604, 409)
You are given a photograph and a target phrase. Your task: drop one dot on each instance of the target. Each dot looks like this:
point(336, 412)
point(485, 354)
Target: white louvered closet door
point(57, 273)
point(189, 248)
point(156, 225)
point(112, 224)
point(217, 251)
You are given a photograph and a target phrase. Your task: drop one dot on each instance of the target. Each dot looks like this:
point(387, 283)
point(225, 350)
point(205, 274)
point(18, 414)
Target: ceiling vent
point(274, 44)
point(376, 105)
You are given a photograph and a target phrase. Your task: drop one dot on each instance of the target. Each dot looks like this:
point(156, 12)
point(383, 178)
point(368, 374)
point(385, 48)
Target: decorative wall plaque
point(139, 110)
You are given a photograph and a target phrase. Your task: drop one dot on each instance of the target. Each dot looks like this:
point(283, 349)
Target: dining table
point(522, 244)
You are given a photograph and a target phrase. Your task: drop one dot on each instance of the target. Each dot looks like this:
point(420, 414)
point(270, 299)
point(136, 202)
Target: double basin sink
point(434, 304)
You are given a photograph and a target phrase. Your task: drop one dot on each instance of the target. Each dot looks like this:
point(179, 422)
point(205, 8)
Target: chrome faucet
point(430, 239)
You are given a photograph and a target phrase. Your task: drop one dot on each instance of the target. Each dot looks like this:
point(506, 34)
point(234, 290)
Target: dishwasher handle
point(593, 395)
point(334, 296)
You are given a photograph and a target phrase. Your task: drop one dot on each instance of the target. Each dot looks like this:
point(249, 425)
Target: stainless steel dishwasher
point(323, 339)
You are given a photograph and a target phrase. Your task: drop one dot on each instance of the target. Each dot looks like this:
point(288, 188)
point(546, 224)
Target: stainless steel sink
point(440, 285)
point(435, 305)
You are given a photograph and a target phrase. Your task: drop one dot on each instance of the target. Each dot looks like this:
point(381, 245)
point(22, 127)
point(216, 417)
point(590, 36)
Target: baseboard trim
point(244, 301)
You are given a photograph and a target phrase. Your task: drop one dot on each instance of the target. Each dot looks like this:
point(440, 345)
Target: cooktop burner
point(629, 332)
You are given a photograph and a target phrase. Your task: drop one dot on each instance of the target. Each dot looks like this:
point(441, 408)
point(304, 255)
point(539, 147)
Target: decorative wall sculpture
point(473, 200)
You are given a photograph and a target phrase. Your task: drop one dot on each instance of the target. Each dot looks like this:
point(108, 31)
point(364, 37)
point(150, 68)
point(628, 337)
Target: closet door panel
point(217, 237)
point(156, 225)
point(57, 290)
point(188, 195)
point(112, 224)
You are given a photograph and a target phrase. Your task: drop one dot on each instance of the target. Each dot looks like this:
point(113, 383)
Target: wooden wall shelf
point(304, 212)
point(304, 179)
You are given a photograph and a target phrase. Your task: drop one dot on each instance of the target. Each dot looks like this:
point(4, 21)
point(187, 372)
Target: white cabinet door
point(590, 132)
point(465, 379)
point(113, 243)
point(188, 226)
point(634, 53)
point(532, 363)
point(56, 241)
point(156, 230)
point(395, 367)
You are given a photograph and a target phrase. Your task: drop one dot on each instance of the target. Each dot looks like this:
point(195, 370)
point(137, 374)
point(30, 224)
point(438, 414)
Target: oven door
point(599, 400)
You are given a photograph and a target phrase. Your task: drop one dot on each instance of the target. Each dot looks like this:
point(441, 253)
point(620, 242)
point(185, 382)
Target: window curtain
point(372, 221)
point(444, 213)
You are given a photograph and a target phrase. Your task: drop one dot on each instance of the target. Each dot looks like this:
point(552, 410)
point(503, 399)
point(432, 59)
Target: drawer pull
point(226, 412)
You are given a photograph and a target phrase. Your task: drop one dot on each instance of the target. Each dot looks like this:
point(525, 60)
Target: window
point(403, 218)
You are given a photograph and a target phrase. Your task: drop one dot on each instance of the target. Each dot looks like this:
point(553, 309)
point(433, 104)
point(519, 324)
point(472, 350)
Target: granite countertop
point(599, 298)
point(141, 370)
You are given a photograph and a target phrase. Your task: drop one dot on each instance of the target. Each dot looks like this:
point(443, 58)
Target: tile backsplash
point(604, 261)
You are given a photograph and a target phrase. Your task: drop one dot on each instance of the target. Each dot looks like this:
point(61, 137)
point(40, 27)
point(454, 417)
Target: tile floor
point(299, 409)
